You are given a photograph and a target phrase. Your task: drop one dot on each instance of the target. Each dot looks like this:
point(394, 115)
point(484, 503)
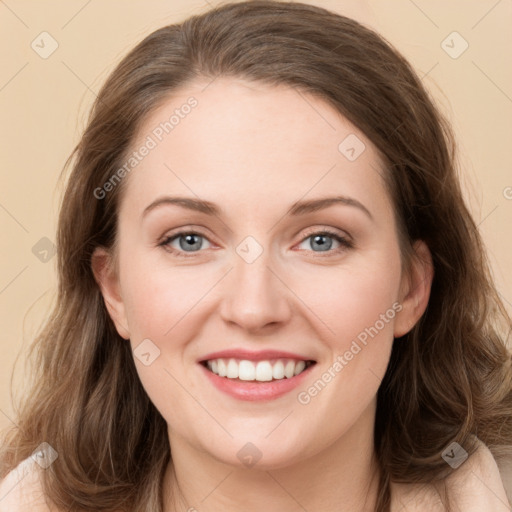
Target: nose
point(255, 297)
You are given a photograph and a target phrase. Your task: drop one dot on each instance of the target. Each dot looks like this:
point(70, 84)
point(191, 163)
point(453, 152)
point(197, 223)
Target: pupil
point(323, 245)
point(318, 239)
point(190, 242)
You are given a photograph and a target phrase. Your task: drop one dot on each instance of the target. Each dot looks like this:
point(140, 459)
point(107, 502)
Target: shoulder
point(478, 484)
point(505, 467)
point(474, 486)
point(21, 490)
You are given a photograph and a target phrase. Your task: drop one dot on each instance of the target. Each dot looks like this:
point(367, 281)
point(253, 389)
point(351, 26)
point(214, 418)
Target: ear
point(108, 282)
point(414, 289)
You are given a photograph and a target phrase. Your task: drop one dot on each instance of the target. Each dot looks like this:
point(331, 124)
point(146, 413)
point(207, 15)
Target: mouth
point(267, 370)
point(255, 376)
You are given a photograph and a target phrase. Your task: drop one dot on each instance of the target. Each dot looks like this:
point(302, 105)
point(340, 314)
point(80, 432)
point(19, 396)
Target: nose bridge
point(255, 296)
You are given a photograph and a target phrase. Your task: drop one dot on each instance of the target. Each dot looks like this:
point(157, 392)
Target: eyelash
point(345, 243)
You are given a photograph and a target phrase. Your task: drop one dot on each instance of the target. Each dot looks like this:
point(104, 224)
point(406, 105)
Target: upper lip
point(260, 355)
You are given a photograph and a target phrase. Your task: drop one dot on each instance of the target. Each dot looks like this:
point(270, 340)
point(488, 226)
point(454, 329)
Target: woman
point(271, 293)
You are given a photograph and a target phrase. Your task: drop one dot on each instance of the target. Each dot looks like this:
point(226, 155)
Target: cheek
point(158, 296)
point(356, 308)
point(159, 304)
point(351, 299)
point(347, 299)
point(359, 308)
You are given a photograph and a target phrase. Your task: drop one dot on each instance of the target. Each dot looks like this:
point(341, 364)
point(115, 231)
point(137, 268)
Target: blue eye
point(192, 242)
point(318, 240)
point(188, 241)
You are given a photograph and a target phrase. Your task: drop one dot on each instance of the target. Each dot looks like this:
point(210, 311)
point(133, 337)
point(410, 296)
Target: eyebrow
point(298, 208)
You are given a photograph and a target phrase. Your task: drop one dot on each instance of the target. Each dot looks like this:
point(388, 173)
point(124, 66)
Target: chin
point(261, 454)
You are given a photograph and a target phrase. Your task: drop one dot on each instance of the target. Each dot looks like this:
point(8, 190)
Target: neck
point(341, 478)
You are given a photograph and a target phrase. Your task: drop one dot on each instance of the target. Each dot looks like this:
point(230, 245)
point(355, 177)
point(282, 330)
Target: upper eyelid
point(309, 231)
point(332, 232)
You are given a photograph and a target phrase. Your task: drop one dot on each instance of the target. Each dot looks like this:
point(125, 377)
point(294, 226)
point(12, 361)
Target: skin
point(254, 150)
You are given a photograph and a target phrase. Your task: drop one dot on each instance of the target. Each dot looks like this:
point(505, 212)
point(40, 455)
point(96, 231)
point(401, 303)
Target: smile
point(257, 371)
point(255, 376)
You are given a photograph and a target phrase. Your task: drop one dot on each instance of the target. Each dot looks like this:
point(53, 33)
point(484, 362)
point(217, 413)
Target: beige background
point(44, 102)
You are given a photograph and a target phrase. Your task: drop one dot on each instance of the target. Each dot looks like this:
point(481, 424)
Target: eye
point(188, 241)
point(320, 240)
point(191, 242)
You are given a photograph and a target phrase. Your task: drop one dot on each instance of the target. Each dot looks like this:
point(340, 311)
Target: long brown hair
point(448, 379)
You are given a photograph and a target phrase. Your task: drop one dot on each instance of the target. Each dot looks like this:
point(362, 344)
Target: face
point(258, 272)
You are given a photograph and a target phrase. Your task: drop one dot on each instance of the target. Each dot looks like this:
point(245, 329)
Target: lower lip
point(253, 390)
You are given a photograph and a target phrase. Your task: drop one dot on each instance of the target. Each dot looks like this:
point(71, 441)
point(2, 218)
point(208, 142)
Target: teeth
point(278, 370)
point(299, 367)
point(289, 369)
point(232, 371)
point(221, 367)
point(262, 371)
point(246, 370)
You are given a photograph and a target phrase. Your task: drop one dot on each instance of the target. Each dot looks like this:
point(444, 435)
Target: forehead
point(269, 144)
